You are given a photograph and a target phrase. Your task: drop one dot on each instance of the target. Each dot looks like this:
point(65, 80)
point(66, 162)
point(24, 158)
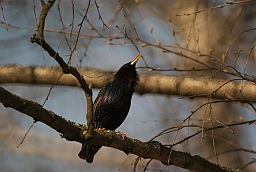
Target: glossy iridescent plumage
point(113, 103)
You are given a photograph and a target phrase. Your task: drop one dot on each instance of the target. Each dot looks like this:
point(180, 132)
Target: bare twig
point(215, 7)
point(26, 134)
point(2, 9)
point(100, 17)
point(51, 89)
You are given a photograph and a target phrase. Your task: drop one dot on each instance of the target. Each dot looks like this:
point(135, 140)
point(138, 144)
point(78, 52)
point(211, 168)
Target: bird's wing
point(101, 107)
point(99, 99)
point(104, 103)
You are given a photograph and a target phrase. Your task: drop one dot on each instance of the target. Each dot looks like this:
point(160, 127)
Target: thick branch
point(157, 84)
point(72, 132)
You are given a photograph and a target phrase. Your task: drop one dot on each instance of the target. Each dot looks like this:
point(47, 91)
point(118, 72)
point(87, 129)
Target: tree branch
point(67, 69)
point(235, 90)
point(73, 132)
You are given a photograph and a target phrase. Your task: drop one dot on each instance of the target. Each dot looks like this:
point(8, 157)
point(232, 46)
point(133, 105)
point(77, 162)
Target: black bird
point(112, 104)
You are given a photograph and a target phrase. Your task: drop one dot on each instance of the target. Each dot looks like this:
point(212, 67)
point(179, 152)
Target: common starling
point(112, 104)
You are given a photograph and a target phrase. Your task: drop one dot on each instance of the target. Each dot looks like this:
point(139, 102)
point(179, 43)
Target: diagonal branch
point(72, 132)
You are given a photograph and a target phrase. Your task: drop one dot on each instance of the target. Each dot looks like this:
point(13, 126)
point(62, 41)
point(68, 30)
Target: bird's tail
point(88, 151)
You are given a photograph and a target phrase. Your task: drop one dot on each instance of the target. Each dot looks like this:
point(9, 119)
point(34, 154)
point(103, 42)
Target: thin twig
point(214, 7)
point(2, 9)
point(26, 134)
point(104, 24)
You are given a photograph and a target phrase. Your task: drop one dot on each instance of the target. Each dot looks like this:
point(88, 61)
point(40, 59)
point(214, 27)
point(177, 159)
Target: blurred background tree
point(186, 39)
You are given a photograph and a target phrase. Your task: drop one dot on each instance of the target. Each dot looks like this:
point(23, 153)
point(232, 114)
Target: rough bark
point(73, 132)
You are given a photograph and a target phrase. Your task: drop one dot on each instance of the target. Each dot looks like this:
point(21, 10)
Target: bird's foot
point(122, 134)
point(100, 129)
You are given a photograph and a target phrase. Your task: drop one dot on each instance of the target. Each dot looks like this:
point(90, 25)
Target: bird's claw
point(100, 129)
point(122, 134)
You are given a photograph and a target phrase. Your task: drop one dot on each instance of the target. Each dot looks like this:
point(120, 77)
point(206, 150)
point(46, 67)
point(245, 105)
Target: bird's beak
point(136, 59)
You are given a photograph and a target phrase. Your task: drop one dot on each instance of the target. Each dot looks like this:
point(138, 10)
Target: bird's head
point(128, 70)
